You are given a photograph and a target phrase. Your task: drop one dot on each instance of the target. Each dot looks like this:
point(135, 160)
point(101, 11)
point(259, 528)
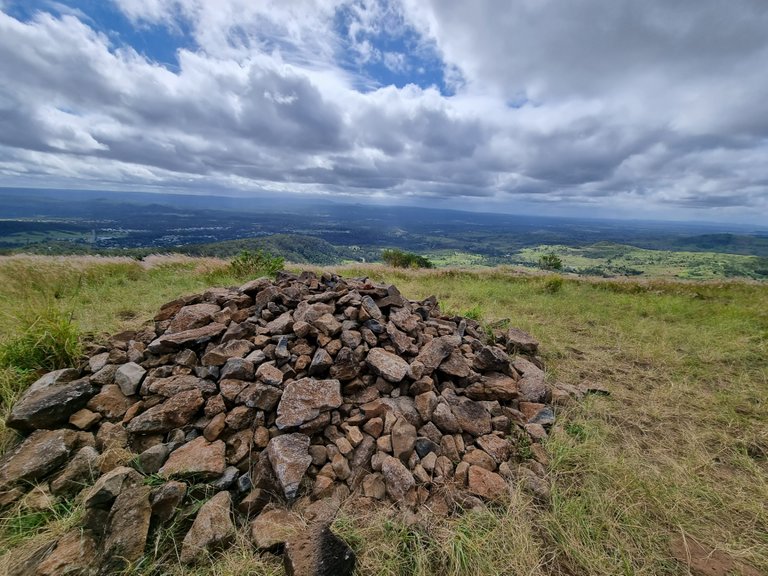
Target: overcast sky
point(620, 108)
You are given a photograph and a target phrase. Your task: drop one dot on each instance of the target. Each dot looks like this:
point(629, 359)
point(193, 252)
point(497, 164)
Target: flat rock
point(261, 396)
point(103, 493)
point(219, 355)
point(303, 400)
point(497, 448)
point(187, 338)
point(198, 458)
point(491, 359)
point(289, 456)
point(181, 383)
point(192, 316)
point(37, 456)
point(436, 350)
point(50, 405)
point(175, 412)
point(110, 402)
point(387, 365)
point(493, 386)
point(403, 439)
point(212, 529)
point(472, 417)
point(79, 472)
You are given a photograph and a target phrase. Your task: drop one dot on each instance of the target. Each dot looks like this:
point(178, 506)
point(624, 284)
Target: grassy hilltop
point(679, 448)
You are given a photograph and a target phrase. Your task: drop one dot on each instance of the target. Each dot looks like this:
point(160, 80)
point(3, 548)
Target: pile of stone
point(278, 394)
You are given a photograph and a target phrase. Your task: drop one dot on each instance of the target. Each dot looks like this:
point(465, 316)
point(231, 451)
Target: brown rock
point(103, 493)
point(269, 374)
point(397, 478)
point(198, 458)
point(493, 386)
point(519, 341)
point(455, 365)
point(240, 417)
point(426, 404)
point(280, 325)
point(318, 552)
point(50, 405)
point(175, 412)
point(444, 418)
point(328, 325)
point(187, 338)
point(289, 457)
point(166, 499)
point(374, 486)
point(79, 472)
point(215, 427)
point(485, 484)
point(436, 350)
point(480, 458)
point(110, 402)
point(192, 316)
point(303, 400)
point(219, 355)
point(84, 419)
point(374, 427)
point(180, 383)
point(403, 439)
point(491, 359)
point(37, 456)
point(321, 362)
point(403, 343)
point(472, 417)
point(127, 528)
point(212, 529)
point(75, 554)
point(389, 366)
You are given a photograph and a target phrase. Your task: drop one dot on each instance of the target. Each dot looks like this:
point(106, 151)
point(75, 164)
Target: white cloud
point(620, 105)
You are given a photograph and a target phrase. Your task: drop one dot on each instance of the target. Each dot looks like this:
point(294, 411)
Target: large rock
point(76, 554)
point(37, 456)
point(187, 338)
point(486, 484)
point(289, 457)
point(318, 552)
point(472, 417)
point(261, 396)
point(192, 316)
point(198, 458)
point(173, 385)
point(50, 406)
point(175, 412)
point(79, 472)
point(211, 530)
point(165, 500)
point(127, 528)
point(491, 359)
point(397, 478)
point(436, 350)
point(110, 402)
point(103, 493)
point(519, 341)
point(493, 386)
point(387, 365)
point(304, 400)
point(403, 439)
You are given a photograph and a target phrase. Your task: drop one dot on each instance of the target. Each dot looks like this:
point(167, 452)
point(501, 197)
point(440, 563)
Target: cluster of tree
point(400, 259)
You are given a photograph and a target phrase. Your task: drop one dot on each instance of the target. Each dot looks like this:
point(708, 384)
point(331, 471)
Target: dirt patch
point(702, 560)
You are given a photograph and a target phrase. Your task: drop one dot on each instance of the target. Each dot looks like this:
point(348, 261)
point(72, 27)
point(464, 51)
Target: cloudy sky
point(626, 108)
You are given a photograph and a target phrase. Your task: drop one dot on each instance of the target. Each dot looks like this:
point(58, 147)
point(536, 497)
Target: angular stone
point(480, 458)
point(435, 351)
point(328, 325)
point(76, 554)
point(374, 486)
point(403, 439)
point(404, 319)
point(304, 400)
point(270, 375)
point(84, 419)
point(472, 417)
point(397, 478)
point(491, 359)
point(497, 448)
point(192, 316)
point(198, 458)
point(110, 402)
point(240, 417)
point(175, 412)
point(374, 427)
point(493, 386)
point(485, 484)
point(166, 499)
point(50, 405)
point(186, 339)
point(519, 341)
point(103, 493)
point(318, 552)
point(445, 420)
point(104, 376)
point(455, 365)
point(212, 529)
point(127, 528)
point(345, 366)
point(37, 456)
point(403, 343)
point(281, 325)
point(128, 377)
point(153, 458)
point(274, 527)
point(79, 472)
point(426, 403)
point(219, 355)
point(181, 383)
point(238, 368)
point(321, 362)
point(289, 457)
point(387, 365)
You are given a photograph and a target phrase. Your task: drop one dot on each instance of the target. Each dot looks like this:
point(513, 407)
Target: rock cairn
point(302, 389)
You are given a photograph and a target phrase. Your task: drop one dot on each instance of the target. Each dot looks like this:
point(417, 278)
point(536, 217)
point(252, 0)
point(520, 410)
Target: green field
point(679, 448)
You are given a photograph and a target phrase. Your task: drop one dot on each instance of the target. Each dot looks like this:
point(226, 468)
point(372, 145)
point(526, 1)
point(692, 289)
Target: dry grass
point(678, 448)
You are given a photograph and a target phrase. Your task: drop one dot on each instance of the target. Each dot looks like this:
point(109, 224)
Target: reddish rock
point(187, 338)
point(493, 386)
point(397, 478)
point(289, 457)
point(436, 350)
point(192, 316)
point(274, 527)
point(175, 412)
point(127, 528)
point(519, 341)
point(198, 458)
point(37, 456)
point(303, 400)
point(110, 402)
point(485, 484)
point(76, 553)
point(387, 365)
point(212, 529)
